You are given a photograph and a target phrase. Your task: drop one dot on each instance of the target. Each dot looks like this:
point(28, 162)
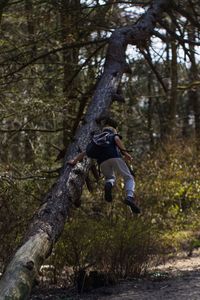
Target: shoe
point(130, 202)
point(108, 191)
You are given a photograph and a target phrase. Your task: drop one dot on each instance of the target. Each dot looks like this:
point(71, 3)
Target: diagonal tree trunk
point(48, 223)
point(3, 4)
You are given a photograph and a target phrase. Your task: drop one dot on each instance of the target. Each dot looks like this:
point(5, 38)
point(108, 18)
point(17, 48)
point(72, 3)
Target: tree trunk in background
point(29, 138)
point(194, 93)
point(68, 13)
point(186, 116)
point(15, 141)
point(173, 93)
point(48, 223)
point(3, 149)
point(168, 107)
point(30, 26)
point(3, 4)
point(150, 111)
point(162, 104)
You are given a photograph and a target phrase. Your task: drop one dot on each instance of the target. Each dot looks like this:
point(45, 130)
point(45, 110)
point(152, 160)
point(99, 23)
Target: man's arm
point(77, 158)
point(122, 148)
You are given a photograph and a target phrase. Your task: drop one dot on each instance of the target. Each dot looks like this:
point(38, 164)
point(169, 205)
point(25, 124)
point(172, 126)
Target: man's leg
point(122, 168)
point(108, 173)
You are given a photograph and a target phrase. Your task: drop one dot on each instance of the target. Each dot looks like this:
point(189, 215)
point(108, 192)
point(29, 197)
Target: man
point(109, 156)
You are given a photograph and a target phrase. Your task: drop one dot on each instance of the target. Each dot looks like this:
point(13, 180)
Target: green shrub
point(120, 244)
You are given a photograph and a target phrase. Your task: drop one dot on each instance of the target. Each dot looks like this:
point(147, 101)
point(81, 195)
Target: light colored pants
point(117, 165)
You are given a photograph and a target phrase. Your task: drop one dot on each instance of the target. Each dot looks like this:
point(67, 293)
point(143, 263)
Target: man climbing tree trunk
point(48, 223)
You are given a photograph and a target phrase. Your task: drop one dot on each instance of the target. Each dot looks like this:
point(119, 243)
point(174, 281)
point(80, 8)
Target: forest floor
point(178, 279)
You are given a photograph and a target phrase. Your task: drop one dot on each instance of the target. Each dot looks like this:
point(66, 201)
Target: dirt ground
point(179, 279)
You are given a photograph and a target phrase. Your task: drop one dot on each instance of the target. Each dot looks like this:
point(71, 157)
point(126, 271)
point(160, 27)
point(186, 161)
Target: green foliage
point(106, 237)
point(113, 241)
point(48, 74)
point(20, 198)
point(172, 189)
point(169, 186)
point(119, 244)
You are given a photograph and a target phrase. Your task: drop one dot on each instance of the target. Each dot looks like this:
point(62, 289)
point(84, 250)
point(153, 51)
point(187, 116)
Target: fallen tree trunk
point(48, 223)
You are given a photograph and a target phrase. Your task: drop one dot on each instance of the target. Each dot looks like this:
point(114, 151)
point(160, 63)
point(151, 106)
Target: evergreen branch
point(53, 51)
point(187, 15)
point(10, 178)
point(84, 64)
point(187, 86)
point(173, 35)
point(31, 130)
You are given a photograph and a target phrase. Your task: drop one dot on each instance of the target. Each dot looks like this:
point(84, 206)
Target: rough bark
point(48, 223)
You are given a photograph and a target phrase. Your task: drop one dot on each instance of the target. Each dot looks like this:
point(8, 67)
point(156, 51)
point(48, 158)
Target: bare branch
point(147, 56)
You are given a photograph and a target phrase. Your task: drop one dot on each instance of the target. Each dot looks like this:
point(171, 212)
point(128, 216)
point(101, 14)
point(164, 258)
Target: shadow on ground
point(179, 279)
